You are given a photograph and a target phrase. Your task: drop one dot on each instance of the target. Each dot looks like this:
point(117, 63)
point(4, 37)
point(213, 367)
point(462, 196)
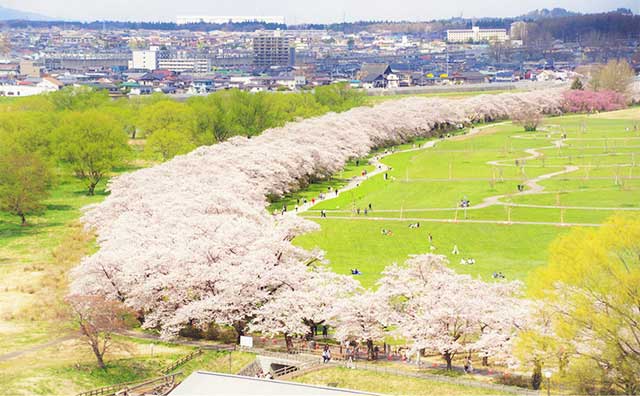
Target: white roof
point(203, 383)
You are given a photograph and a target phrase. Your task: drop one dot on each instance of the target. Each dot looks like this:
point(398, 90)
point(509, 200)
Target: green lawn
point(427, 185)
point(387, 383)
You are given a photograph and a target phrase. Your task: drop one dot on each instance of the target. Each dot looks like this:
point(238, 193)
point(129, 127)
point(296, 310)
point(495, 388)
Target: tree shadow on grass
point(13, 229)
point(59, 207)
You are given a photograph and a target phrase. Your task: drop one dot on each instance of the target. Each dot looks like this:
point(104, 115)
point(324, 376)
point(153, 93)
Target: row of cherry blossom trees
point(189, 242)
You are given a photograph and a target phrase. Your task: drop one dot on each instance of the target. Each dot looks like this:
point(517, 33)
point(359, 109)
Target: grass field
point(598, 166)
point(387, 383)
point(69, 368)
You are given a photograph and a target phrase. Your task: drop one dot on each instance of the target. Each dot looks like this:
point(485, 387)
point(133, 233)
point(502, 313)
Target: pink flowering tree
point(308, 300)
point(586, 101)
point(361, 318)
point(442, 312)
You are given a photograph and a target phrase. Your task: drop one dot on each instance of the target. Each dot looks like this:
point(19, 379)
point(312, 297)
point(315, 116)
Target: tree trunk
point(239, 328)
point(289, 342)
point(23, 219)
point(92, 189)
point(370, 352)
point(96, 351)
point(448, 357)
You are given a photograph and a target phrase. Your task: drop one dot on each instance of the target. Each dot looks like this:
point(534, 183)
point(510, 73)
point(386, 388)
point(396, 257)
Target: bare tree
point(617, 75)
point(98, 319)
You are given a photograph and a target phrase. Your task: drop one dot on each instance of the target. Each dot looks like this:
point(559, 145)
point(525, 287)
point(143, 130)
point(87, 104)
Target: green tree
point(167, 143)
point(167, 114)
point(24, 181)
point(339, 97)
point(592, 288)
point(93, 143)
point(78, 98)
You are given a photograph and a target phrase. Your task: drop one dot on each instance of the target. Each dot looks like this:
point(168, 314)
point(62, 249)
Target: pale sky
point(300, 11)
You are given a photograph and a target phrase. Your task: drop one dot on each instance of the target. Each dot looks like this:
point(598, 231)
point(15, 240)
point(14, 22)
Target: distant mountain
point(7, 14)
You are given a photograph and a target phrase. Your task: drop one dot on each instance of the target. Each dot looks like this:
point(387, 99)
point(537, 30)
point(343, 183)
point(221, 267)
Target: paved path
point(36, 348)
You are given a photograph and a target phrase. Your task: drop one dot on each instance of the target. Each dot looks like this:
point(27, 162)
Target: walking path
point(533, 187)
point(422, 219)
point(36, 348)
point(381, 168)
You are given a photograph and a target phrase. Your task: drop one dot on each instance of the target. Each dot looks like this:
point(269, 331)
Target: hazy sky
point(297, 11)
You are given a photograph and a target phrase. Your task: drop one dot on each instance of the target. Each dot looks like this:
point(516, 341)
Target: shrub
point(578, 101)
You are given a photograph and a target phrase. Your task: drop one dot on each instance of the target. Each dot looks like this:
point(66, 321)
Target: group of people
point(262, 374)
point(387, 232)
point(468, 261)
point(355, 271)
point(323, 213)
point(465, 203)
point(498, 275)
point(521, 187)
point(414, 225)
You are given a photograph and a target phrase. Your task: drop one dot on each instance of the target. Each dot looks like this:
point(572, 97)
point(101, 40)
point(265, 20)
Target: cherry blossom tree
point(361, 318)
point(443, 312)
point(586, 101)
point(308, 300)
point(189, 242)
point(98, 319)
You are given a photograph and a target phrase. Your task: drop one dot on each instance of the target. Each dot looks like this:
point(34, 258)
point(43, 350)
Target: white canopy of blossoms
point(190, 242)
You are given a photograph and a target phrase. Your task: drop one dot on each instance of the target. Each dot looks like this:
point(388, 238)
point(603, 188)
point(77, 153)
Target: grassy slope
point(387, 383)
point(511, 249)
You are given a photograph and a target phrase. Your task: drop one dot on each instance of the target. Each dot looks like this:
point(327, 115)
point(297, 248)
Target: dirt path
point(381, 168)
point(452, 221)
point(39, 347)
point(532, 186)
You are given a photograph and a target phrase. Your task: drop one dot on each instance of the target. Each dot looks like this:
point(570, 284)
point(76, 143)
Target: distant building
point(475, 34)
point(179, 65)
point(376, 75)
point(187, 20)
point(29, 69)
point(29, 87)
point(147, 59)
point(518, 30)
point(272, 49)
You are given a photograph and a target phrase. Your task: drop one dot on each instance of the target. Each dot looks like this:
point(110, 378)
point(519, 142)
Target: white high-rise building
point(145, 59)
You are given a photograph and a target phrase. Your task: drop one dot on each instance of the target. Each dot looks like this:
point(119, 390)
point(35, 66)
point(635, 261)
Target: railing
point(126, 388)
point(181, 361)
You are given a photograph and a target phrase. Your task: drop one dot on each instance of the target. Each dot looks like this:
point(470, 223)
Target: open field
point(576, 180)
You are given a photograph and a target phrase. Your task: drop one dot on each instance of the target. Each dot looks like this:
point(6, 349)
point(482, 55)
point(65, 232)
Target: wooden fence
point(129, 388)
point(181, 361)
